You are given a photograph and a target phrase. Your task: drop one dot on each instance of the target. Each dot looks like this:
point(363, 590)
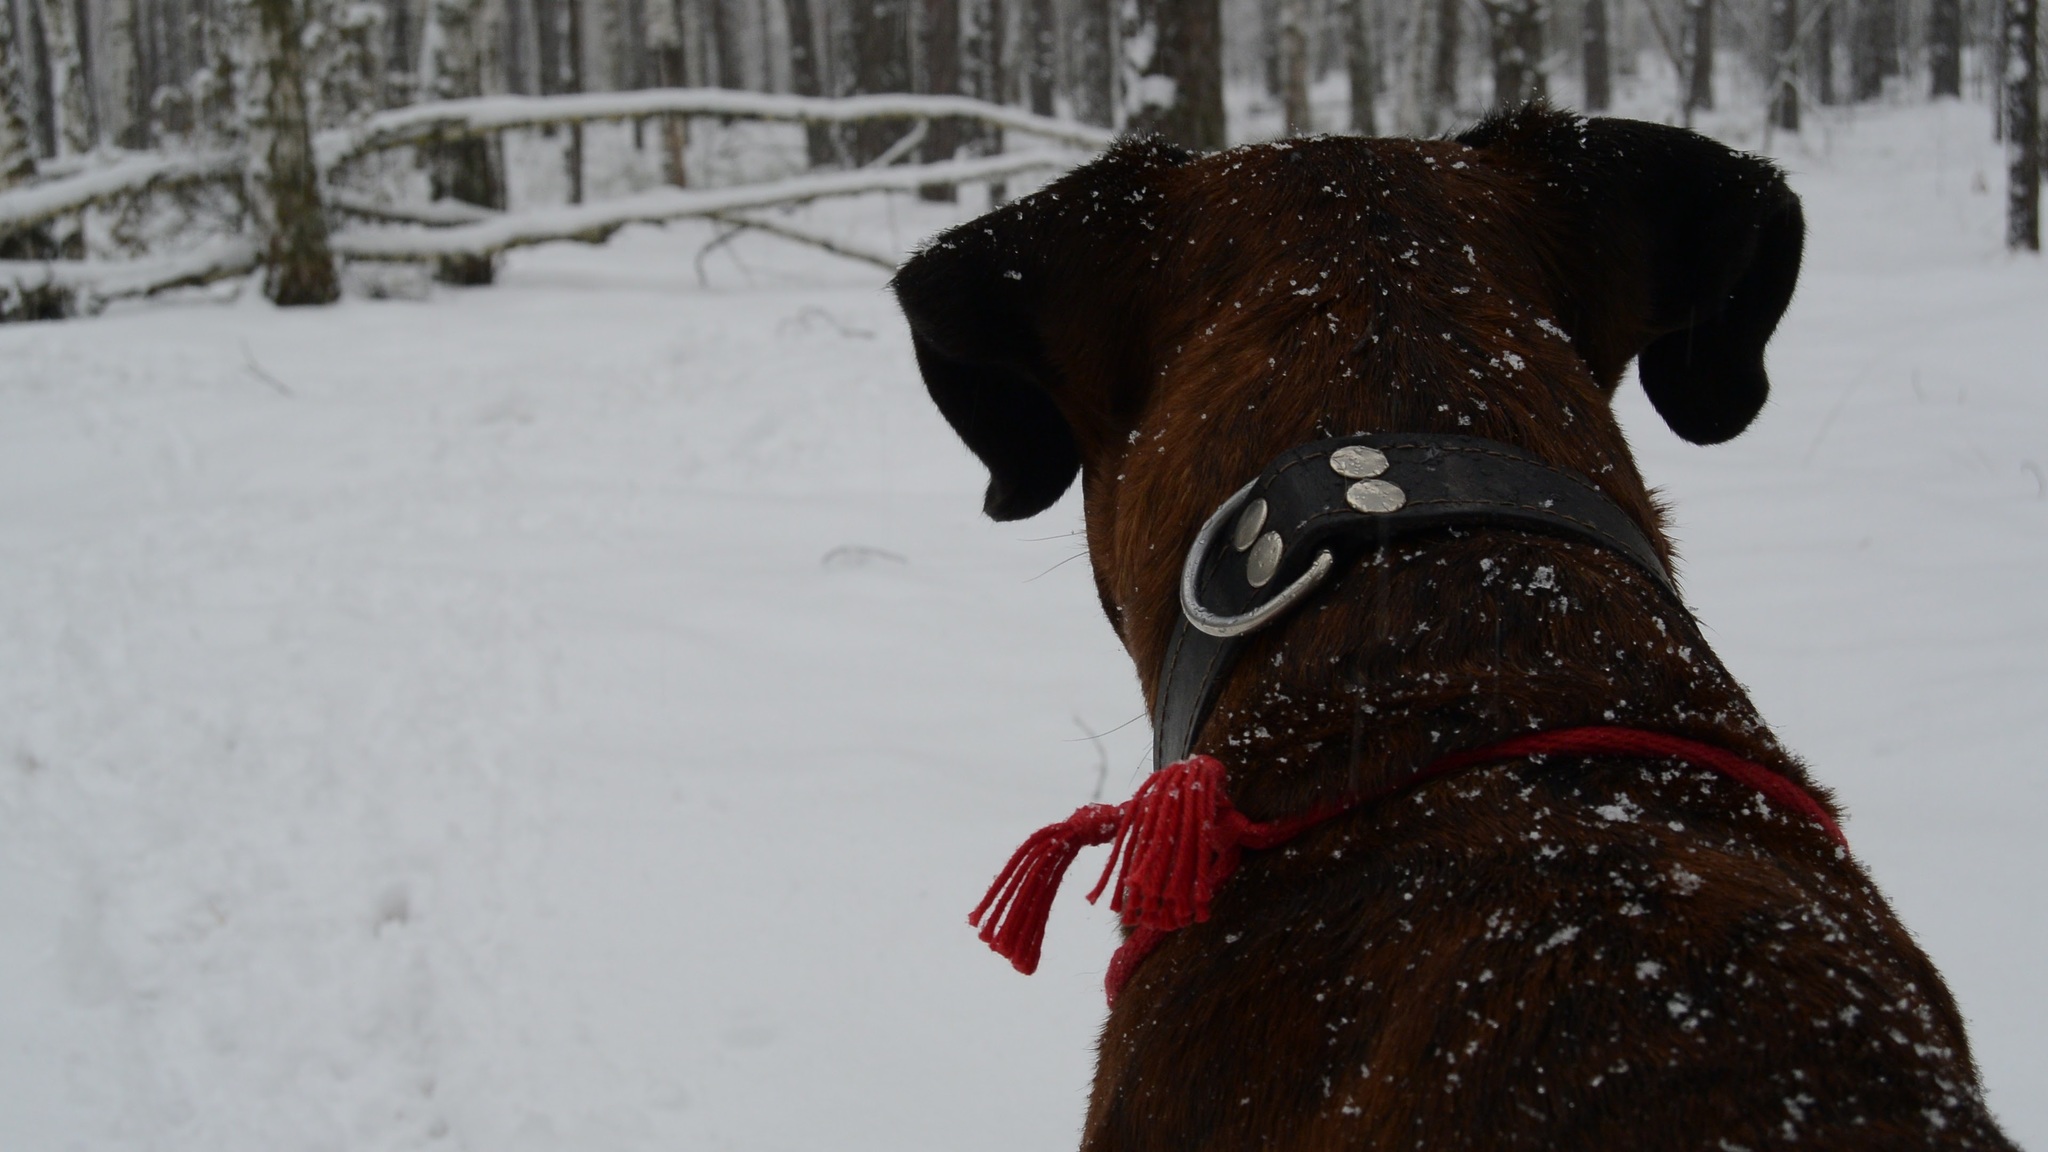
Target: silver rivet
point(1264, 560)
point(1358, 462)
point(1375, 496)
point(1249, 522)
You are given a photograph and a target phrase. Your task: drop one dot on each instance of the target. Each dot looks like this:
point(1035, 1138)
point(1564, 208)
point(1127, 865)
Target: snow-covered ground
point(577, 714)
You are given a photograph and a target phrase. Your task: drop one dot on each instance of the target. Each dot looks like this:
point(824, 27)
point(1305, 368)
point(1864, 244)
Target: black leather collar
point(1321, 502)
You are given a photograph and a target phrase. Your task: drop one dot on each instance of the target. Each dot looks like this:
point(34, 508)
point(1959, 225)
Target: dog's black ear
point(982, 298)
point(1681, 252)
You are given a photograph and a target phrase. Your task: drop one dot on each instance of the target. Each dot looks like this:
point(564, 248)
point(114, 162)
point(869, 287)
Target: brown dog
point(1588, 952)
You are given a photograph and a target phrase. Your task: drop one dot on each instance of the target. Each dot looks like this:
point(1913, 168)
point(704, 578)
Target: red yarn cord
point(1176, 841)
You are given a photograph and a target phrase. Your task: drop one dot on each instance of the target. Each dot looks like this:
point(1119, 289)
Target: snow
point(579, 713)
point(122, 172)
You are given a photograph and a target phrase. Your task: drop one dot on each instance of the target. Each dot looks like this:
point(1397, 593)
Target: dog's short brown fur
point(1585, 954)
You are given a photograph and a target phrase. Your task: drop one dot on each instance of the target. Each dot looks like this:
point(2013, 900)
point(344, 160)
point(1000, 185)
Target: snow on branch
point(82, 285)
point(139, 172)
point(594, 223)
point(420, 123)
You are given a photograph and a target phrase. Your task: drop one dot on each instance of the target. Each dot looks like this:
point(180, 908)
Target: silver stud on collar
point(1358, 462)
point(1249, 522)
point(1375, 496)
point(1264, 560)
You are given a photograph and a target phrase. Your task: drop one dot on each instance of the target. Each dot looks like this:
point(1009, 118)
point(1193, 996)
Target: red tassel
point(1020, 900)
point(1177, 844)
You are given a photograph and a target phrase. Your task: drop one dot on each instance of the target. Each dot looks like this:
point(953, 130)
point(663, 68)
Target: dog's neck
point(1447, 643)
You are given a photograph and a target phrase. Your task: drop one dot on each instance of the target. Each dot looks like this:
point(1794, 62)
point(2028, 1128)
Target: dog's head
point(1163, 324)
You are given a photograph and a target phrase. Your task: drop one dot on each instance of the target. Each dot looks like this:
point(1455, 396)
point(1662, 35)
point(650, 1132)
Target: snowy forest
point(189, 140)
point(499, 649)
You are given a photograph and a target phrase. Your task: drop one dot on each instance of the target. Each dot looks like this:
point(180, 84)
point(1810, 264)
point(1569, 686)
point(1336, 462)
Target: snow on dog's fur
point(1605, 953)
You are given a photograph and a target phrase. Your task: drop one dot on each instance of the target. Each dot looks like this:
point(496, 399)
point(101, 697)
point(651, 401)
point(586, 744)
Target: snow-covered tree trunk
point(1041, 55)
point(1593, 55)
point(1945, 47)
point(346, 63)
point(459, 50)
point(1419, 107)
point(940, 75)
point(1699, 64)
point(17, 143)
point(1447, 34)
point(881, 63)
point(1173, 63)
point(1361, 62)
point(1824, 54)
point(1516, 40)
point(2022, 101)
point(1298, 119)
point(807, 71)
point(1091, 52)
point(1785, 63)
point(282, 186)
point(69, 98)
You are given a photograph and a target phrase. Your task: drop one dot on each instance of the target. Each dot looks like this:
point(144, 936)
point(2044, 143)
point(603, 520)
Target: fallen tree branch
point(37, 203)
point(594, 223)
point(421, 123)
point(84, 285)
point(837, 247)
point(434, 213)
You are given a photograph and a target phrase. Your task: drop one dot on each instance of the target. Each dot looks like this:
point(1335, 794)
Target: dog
point(1618, 951)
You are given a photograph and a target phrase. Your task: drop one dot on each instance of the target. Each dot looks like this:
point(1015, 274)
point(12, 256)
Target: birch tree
point(459, 49)
point(1593, 56)
point(1173, 67)
point(1363, 65)
point(282, 184)
point(70, 101)
point(2022, 101)
point(1298, 119)
point(17, 142)
point(1515, 30)
point(1091, 54)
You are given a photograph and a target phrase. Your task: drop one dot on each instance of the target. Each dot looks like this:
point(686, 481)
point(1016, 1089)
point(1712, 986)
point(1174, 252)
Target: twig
point(256, 370)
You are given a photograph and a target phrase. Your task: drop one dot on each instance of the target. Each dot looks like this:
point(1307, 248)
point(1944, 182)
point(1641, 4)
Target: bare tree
point(1945, 47)
point(1299, 119)
point(282, 186)
point(462, 50)
point(1173, 60)
point(1362, 63)
point(1041, 55)
point(807, 72)
point(2022, 100)
point(17, 141)
point(941, 60)
point(1873, 49)
point(1516, 41)
point(68, 97)
point(1699, 70)
point(1446, 43)
point(1091, 52)
point(881, 63)
point(1785, 63)
point(1593, 56)
point(1824, 54)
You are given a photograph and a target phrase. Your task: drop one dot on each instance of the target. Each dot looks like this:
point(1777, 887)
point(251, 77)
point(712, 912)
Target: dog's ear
point(983, 298)
point(1675, 249)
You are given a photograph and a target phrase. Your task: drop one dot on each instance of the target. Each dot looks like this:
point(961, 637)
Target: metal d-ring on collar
point(1223, 627)
point(1318, 501)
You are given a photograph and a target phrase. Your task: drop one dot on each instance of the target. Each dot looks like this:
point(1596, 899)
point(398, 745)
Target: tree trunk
point(987, 52)
point(2023, 125)
point(807, 77)
point(1699, 65)
point(1785, 63)
point(1294, 67)
point(1593, 55)
point(572, 81)
point(69, 101)
point(17, 143)
point(1449, 33)
point(1945, 47)
point(1824, 55)
point(1873, 53)
point(1174, 60)
point(664, 29)
point(1091, 56)
point(283, 187)
point(1515, 30)
point(1042, 57)
point(124, 103)
point(1359, 61)
point(462, 49)
point(941, 57)
point(725, 37)
point(881, 63)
